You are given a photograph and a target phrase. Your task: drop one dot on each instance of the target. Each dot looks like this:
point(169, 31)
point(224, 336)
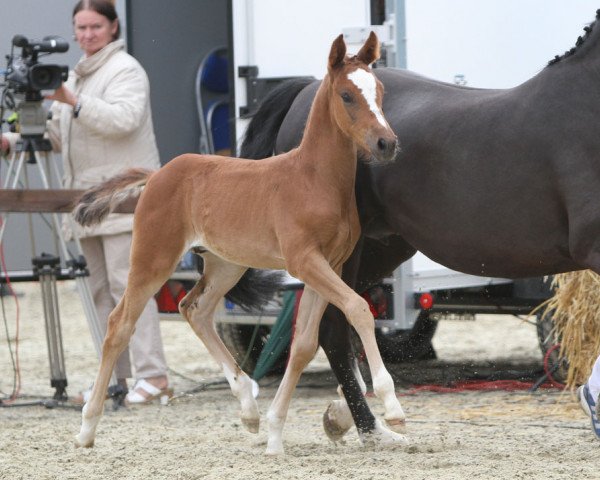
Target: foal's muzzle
point(384, 148)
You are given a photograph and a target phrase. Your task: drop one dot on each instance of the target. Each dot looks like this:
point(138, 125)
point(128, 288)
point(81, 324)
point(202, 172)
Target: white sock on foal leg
point(275, 438)
point(383, 386)
point(87, 433)
point(245, 390)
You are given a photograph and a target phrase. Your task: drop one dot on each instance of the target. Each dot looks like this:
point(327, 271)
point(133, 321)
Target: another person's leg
point(149, 363)
point(102, 296)
point(589, 394)
point(594, 380)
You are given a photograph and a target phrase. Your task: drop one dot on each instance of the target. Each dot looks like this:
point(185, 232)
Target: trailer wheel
point(548, 345)
point(405, 345)
point(237, 338)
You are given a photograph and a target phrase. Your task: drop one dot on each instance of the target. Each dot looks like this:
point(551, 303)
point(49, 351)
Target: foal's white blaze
point(365, 82)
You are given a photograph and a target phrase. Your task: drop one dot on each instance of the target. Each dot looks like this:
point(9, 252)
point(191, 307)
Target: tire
point(237, 338)
point(408, 345)
point(548, 345)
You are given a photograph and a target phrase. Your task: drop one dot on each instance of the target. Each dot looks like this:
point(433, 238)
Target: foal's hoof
point(274, 449)
point(81, 443)
point(334, 431)
point(382, 436)
point(397, 425)
point(251, 424)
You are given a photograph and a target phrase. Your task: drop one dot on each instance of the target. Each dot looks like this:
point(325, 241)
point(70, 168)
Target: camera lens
point(42, 77)
point(45, 77)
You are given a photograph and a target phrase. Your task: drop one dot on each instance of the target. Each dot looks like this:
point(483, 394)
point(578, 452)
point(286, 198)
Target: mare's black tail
point(257, 287)
point(261, 134)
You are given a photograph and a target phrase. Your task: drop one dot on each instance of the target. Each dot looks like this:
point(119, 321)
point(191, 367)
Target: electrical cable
point(477, 385)
point(14, 357)
point(550, 369)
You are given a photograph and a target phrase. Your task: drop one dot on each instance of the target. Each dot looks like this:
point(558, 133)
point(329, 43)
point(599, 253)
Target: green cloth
point(279, 339)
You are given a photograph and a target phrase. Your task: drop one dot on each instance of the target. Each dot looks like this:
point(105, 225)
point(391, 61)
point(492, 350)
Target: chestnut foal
point(295, 211)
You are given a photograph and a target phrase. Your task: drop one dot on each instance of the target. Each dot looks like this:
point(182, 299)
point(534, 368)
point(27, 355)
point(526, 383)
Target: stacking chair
point(212, 101)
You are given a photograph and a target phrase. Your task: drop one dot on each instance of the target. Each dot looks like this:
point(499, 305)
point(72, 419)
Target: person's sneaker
point(589, 406)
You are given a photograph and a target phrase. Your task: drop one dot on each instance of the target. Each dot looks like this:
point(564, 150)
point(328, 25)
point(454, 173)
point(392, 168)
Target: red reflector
point(426, 301)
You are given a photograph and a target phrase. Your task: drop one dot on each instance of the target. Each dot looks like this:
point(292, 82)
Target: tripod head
point(32, 118)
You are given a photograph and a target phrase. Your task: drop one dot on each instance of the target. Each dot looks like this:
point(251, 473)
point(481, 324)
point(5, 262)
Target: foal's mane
point(588, 30)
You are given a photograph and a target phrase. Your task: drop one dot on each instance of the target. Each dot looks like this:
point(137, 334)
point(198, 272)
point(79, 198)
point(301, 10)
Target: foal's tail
point(96, 203)
point(261, 134)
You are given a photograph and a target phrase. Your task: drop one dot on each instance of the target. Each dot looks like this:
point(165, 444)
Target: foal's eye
point(346, 97)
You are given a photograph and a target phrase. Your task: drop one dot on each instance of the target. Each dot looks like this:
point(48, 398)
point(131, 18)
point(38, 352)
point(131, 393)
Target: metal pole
point(397, 8)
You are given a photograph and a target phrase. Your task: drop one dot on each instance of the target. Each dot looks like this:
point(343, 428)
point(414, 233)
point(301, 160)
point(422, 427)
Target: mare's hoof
point(382, 436)
point(397, 425)
point(333, 429)
point(80, 443)
point(251, 424)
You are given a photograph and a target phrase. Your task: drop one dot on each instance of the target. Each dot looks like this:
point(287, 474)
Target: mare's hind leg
point(198, 308)
point(148, 272)
point(302, 351)
point(338, 418)
point(317, 273)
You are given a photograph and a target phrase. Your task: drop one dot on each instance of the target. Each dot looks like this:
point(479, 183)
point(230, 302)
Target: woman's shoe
point(588, 405)
point(152, 393)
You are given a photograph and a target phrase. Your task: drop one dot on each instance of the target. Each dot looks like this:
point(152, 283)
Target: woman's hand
point(4, 146)
point(64, 95)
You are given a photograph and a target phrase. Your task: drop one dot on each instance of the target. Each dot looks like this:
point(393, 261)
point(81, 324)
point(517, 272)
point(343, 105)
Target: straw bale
point(575, 311)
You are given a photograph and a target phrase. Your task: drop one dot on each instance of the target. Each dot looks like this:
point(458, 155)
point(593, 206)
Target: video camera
point(25, 75)
point(25, 78)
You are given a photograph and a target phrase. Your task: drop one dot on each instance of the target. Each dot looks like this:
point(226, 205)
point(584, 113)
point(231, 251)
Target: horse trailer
point(254, 45)
point(453, 46)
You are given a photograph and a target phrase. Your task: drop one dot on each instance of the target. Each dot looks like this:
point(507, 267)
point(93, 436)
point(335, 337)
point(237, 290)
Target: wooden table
point(49, 201)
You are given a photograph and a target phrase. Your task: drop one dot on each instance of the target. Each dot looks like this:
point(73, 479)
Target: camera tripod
point(35, 149)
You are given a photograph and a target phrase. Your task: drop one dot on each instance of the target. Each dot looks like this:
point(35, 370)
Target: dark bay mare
point(502, 183)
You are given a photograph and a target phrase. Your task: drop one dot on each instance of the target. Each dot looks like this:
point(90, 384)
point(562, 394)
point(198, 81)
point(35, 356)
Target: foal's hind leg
point(198, 308)
point(152, 260)
point(143, 282)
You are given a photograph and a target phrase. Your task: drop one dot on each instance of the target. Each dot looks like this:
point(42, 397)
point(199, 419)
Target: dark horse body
point(500, 183)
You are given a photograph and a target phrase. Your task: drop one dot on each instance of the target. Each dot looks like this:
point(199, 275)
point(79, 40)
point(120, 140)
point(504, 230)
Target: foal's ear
point(370, 50)
point(337, 53)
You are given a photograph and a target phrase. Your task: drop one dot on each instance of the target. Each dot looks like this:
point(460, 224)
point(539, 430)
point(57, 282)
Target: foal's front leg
point(319, 275)
point(303, 348)
point(359, 272)
point(198, 308)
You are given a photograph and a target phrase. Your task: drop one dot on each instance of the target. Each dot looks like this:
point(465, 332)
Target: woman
point(102, 124)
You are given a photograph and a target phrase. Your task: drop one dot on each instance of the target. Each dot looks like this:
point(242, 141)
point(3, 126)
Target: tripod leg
point(15, 165)
point(46, 266)
point(117, 392)
point(14, 171)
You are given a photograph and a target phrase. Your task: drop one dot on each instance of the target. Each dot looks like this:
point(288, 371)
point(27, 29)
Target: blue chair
point(212, 101)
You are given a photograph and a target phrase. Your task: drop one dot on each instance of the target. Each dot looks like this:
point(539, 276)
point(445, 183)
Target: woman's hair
point(105, 8)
